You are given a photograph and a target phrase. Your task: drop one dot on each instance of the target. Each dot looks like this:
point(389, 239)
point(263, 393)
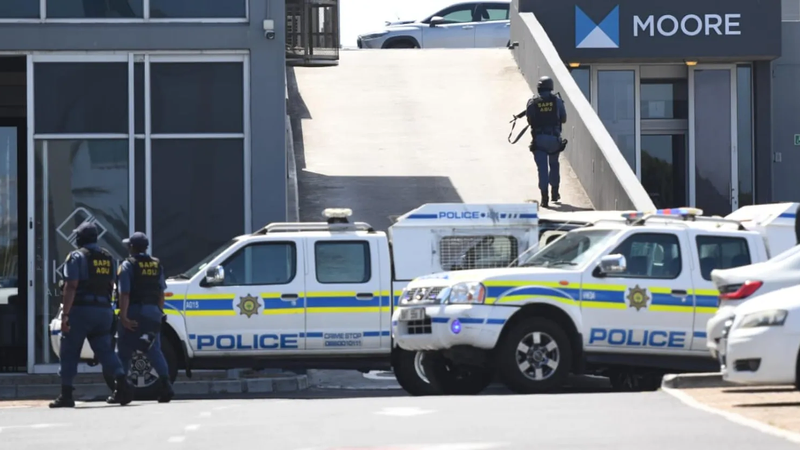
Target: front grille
point(422, 295)
point(423, 326)
point(747, 365)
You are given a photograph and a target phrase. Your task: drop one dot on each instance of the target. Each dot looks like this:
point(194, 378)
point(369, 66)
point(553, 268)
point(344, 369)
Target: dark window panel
point(94, 9)
point(19, 9)
point(185, 9)
point(139, 187)
point(138, 97)
point(198, 198)
point(81, 97)
point(197, 98)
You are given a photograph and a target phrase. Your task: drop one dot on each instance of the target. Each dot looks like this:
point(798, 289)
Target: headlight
point(374, 35)
point(472, 292)
point(771, 318)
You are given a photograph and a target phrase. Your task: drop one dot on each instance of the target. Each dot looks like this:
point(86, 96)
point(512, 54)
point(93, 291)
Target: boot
point(64, 400)
point(123, 392)
point(545, 199)
point(166, 390)
point(556, 198)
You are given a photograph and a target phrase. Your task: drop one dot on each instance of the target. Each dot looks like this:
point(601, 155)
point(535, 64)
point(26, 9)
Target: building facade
point(163, 116)
point(687, 90)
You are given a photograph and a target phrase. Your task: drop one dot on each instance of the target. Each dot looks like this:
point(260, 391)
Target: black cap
point(86, 230)
point(138, 240)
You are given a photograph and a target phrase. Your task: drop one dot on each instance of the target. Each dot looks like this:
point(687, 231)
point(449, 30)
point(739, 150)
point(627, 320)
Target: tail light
point(739, 291)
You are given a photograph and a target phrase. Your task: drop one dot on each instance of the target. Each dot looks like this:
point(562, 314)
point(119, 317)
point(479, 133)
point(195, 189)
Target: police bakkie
point(321, 295)
point(628, 299)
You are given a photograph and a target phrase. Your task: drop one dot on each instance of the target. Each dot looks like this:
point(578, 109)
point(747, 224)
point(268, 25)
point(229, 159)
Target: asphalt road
point(385, 419)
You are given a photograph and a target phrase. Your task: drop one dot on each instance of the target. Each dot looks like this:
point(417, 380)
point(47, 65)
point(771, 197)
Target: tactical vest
point(543, 114)
point(100, 265)
point(145, 286)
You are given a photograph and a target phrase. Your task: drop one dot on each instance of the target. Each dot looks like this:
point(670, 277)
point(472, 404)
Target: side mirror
point(436, 20)
point(611, 264)
point(215, 275)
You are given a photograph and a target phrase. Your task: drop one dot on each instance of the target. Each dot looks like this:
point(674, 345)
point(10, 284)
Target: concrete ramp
point(388, 130)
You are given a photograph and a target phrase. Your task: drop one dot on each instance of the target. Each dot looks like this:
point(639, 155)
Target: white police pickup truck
point(625, 299)
point(321, 295)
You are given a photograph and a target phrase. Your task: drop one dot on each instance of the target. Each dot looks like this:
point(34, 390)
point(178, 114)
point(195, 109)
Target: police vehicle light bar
point(663, 212)
point(337, 213)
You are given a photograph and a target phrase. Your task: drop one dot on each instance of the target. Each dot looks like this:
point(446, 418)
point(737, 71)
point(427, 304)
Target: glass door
point(664, 168)
point(713, 142)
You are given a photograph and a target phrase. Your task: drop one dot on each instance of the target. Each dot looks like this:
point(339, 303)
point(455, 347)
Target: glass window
point(198, 198)
point(582, 76)
point(201, 265)
point(81, 98)
point(477, 252)
point(571, 249)
point(9, 238)
point(140, 205)
point(19, 9)
point(718, 252)
point(665, 99)
point(616, 106)
point(197, 97)
point(651, 255)
point(712, 137)
point(665, 169)
point(457, 14)
point(93, 9)
point(261, 264)
point(744, 105)
point(183, 9)
point(342, 262)
point(493, 11)
point(138, 97)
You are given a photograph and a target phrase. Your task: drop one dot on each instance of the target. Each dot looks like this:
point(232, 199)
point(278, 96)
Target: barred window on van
point(477, 252)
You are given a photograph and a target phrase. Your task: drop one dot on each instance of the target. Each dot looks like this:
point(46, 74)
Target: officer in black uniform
point(87, 313)
point(141, 311)
point(546, 113)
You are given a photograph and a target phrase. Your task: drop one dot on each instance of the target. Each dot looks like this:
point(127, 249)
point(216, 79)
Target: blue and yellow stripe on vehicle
point(274, 305)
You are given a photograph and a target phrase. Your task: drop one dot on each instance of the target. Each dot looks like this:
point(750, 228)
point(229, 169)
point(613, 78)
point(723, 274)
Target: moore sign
point(689, 25)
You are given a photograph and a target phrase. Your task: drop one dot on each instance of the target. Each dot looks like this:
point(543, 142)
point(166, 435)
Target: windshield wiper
point(563, 263)
point(181, 276)
point(549, 264)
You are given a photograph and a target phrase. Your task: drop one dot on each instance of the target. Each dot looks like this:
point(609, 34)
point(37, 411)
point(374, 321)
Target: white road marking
point(465, 446)
point(205, 414)
point(733, 417)
point(192, 427)
point(404, 411)
point(176, 439)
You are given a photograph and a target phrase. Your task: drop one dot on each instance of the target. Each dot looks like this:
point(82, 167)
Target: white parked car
point(763, 342)
point(748, 283)
point(462, 25)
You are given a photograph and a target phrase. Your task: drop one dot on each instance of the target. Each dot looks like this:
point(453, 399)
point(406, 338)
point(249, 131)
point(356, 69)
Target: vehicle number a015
point(409, 314)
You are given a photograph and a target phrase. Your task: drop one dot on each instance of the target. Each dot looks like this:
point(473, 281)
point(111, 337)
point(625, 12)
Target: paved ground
point(330, 419)
point(778, 406)
point(387, 131)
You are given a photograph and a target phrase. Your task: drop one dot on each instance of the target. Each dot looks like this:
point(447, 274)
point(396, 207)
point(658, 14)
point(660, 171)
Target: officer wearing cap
point(141, 310)
point(546, 113)
point(87, 313)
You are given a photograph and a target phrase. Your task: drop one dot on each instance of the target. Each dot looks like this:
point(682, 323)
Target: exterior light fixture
point(574, 64)
point(691, 63)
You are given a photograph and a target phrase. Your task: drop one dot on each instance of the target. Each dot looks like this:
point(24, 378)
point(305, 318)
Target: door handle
point(680, 293)
point(508, 24)
point(289, 297)
point(365, 296)
point(467, 27)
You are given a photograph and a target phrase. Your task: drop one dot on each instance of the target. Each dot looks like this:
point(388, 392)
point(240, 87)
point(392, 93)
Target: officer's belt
point(96, 302)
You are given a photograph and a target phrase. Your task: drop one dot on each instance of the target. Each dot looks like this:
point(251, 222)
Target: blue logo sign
point(588, 34)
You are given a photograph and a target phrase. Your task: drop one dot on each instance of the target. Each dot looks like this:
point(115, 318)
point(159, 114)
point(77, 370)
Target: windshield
point(203, 262)
point(572, 249)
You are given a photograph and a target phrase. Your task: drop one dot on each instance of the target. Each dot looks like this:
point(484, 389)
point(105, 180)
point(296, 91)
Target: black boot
point(166, 390)
point(64, 400)
point(123, 394)
point(545, 200)
point(556, 198)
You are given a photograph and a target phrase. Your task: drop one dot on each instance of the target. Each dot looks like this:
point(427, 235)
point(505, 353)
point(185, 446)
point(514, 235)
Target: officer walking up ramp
point(388, 130)
point(592, 152)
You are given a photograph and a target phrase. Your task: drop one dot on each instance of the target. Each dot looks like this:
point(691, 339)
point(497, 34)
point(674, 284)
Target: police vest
point(146, 285)
point(543, 114)
point(100, 266)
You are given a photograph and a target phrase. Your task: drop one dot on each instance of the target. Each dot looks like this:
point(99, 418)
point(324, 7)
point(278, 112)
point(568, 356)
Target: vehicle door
point(256, 307)
point(648, 304)
point(710, 252)
point(494, 28)
point(343, 291)
point(457, 30)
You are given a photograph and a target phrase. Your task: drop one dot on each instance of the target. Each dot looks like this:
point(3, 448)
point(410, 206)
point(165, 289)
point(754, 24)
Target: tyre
point(410, 374)
point(450, 379)
point(631, 381)
point(535, 356)
point(402, 44)
point(144, 377)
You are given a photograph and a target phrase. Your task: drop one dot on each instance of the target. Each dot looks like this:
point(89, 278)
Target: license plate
point(410, 314)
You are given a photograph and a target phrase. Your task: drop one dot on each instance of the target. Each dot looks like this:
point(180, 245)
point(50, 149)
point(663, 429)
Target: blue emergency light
point(664, 212)
point(455, 326)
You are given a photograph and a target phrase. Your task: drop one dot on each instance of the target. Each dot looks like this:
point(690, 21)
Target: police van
point(627, 299)
point(321, 295)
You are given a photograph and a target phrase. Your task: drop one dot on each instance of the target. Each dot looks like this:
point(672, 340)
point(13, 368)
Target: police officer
point(141, 310)
point(546, 113)
point(88, 314)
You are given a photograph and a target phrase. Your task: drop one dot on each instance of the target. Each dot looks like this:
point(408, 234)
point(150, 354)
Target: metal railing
point(312, 32)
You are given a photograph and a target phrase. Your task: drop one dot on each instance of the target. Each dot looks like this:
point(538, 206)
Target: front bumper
point(475, 326)
point(715, 327)
point(766, 355)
